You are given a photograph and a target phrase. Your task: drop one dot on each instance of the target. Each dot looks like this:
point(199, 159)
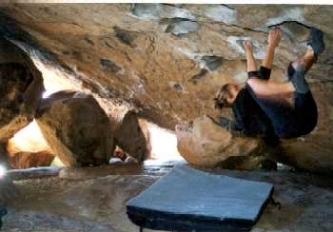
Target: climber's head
point(226, 95)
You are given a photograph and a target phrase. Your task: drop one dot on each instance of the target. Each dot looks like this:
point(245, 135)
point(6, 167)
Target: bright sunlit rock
point(54, 80)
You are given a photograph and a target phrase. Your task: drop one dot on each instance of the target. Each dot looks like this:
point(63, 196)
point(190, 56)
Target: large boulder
point(21, 87)
point(206, 144)
point(76, 128)
point(312, 154)
point(128, 134)
point(144, 125)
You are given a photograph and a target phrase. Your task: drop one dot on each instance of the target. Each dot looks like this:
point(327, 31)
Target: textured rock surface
point(206, 144)
point(128, 134)
point(21, 87)
point(167, 61)
point(31, 159)
point(8, 190)
point(76, 128)
point(55, 205)
point(28, 148)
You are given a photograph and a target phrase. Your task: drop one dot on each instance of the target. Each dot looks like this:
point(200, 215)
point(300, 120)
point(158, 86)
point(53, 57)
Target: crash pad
point(188, 199)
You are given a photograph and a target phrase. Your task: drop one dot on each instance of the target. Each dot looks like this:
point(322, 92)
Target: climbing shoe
point(316, 41)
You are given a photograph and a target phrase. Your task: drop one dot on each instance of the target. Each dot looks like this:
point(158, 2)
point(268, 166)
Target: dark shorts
point(288, 121)
point(263, 73)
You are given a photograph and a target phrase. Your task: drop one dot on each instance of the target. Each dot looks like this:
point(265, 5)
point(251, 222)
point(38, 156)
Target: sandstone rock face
point(21, 87)
point(146, 133)
point(31, 159)
point(76, 128)
point(314, 155)
point(206, 144)
point(128, 134)
point(167, 61)
point(28, 148)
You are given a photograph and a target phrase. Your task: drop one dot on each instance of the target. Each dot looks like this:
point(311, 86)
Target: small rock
point(115, 160)
point(128, 134)
point(130, 160)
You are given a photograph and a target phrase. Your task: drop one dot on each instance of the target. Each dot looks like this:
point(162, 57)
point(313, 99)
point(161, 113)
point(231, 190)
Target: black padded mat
point(187, 199)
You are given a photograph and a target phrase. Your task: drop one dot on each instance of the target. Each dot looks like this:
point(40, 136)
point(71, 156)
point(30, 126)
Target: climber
point(272, 109)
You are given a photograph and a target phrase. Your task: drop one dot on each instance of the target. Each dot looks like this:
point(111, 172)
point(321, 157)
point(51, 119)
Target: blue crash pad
point(187, 199)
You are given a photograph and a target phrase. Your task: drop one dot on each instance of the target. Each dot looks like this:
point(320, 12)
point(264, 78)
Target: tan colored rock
point(128, 134)
point(28, 148)
point(76, 128)
point(167, 61)
point(21, 87)
point(206, 144)
point(156, 55)
point(311, 154)
point(145, 130)
point(31, 159)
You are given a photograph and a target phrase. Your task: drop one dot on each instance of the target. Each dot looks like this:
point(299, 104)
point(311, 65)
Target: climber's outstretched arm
point(250, 61)
point(274, 38)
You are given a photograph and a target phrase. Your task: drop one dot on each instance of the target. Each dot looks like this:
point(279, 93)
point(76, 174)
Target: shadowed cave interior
point(100, 101)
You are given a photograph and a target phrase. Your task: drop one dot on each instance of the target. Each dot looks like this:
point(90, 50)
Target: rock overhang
point(167, 60)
